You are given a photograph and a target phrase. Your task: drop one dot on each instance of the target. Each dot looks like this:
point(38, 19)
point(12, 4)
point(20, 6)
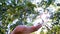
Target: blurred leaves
point(20, 9)
point(56, 17)
point(14, 9)
point(46, 3)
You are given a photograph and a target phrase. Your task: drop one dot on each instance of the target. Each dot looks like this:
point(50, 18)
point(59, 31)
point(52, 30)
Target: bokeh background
point(24, 12)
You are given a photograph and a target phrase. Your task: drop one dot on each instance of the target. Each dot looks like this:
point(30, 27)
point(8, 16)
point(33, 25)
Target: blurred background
point(24, 12)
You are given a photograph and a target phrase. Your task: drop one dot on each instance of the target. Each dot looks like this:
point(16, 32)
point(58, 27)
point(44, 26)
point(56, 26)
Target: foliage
point(20, 9)
point(46, 3)
point(56, 17)
point(9, 11)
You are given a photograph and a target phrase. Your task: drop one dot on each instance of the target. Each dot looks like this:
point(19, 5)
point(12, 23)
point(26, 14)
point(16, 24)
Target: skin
point(21, 29)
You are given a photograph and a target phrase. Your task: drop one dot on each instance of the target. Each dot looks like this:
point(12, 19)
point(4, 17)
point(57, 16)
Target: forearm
point(35, 28)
